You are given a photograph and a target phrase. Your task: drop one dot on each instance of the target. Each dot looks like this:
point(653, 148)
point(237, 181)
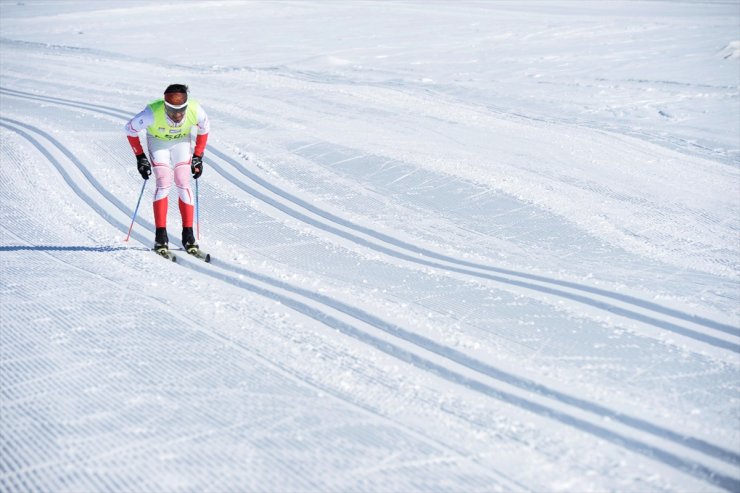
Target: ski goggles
point(174, 109)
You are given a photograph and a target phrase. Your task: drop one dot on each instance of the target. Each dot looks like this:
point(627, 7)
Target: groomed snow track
point(703, 460)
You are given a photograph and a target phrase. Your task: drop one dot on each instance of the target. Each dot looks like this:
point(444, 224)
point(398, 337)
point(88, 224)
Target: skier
point(168, 123)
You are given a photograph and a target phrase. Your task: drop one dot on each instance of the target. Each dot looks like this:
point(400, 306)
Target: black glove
point(142, 164)
point(196, 166)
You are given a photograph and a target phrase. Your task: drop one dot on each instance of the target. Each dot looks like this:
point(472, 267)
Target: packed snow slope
point(458, 246)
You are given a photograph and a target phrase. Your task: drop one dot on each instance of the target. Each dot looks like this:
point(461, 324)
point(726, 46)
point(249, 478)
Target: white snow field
point(458, 246)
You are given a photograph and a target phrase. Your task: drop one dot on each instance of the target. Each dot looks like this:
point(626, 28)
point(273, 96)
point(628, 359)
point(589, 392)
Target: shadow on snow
point(65, 248)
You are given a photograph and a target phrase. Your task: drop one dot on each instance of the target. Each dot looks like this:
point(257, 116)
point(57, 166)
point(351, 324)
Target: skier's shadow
point(66, 248)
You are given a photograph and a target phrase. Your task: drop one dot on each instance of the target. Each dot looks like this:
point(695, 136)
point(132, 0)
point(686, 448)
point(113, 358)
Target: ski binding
point(198, 253)
point(165, 252)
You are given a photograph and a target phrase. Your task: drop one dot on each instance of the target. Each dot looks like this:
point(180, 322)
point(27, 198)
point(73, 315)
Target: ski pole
point(197, 212)
point(133, 218)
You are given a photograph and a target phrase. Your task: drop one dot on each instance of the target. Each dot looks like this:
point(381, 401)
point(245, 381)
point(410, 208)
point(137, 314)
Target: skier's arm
point(200, 144)
point(137, 124)
point(204, 126)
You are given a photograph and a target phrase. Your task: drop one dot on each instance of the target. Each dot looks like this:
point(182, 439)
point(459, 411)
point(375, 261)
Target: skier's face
point(175, 106)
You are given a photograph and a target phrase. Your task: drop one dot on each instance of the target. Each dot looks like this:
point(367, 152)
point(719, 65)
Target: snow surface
point(458, 246)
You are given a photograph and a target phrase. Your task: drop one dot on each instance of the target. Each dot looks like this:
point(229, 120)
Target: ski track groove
point(633, 315)
point(240, 271)
point(96, 451)
point(19, 471)
point(693, 468)
point(460, 266)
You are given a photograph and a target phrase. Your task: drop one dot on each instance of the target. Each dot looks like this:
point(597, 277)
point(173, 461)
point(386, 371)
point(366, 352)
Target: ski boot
point(188, 241)
point(161, 241)
point(190, 246)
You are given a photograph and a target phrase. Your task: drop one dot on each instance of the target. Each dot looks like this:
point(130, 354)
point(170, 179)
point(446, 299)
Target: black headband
point(176, 88)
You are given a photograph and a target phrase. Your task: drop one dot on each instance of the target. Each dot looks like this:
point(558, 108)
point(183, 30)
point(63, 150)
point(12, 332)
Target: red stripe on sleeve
point(200, 144)
point(136, 145)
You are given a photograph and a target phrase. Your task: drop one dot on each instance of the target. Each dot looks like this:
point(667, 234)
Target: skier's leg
point(159, 155)
point(181, 153)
